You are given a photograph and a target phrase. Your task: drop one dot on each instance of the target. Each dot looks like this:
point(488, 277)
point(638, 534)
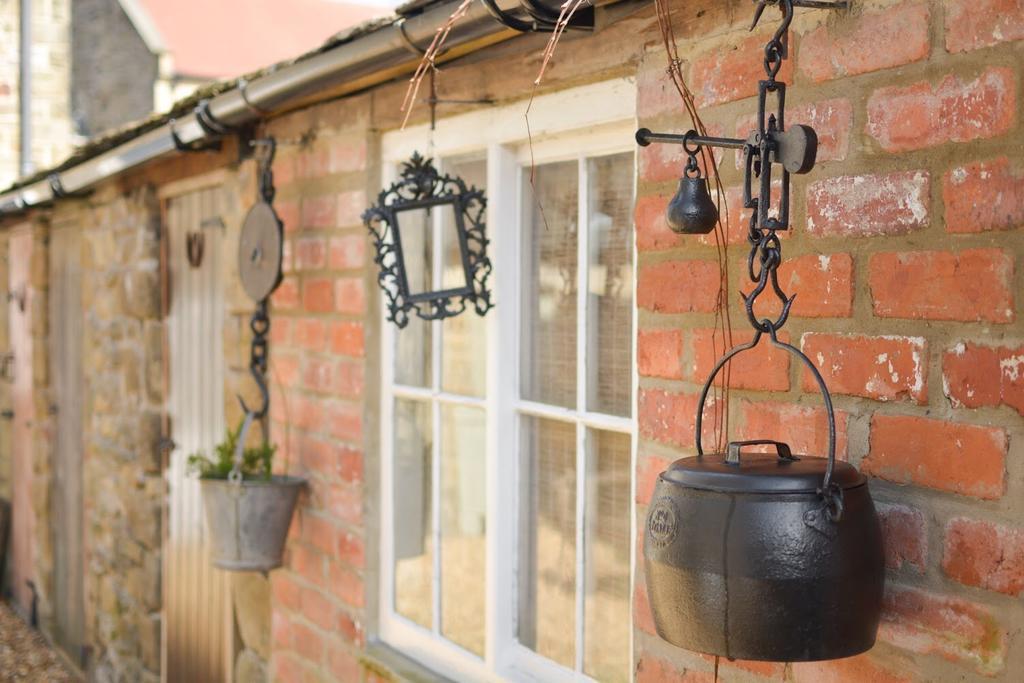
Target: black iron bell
point(692, 211)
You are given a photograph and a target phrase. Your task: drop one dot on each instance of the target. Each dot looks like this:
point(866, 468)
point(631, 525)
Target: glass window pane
point(412, 353)
point(607, 625)
point(416, 230)
point(413, 532)
point(547, 547)
point(549, 284)
point(463, 526)
point(610, 284)
point(464, 337)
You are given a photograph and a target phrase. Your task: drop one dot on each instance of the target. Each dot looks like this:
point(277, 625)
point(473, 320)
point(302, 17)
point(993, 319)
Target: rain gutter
point(366, 60)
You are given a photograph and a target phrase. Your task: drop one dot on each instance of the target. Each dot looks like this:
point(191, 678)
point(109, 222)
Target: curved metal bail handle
point(235, 476)
point(828, 490)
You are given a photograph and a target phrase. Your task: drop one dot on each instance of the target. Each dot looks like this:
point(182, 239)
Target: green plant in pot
point(248, 508)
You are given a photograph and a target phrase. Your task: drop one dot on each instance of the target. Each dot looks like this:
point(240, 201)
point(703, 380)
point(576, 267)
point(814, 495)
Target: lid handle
point(782, 450)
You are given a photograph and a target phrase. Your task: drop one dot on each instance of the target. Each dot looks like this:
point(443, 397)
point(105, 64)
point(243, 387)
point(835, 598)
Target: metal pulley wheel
point(259, 251)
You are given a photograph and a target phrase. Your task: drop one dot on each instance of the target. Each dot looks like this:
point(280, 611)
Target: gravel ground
point(25, 654)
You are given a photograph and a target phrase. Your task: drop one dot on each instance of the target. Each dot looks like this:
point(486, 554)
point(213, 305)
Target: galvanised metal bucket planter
point(248, 520)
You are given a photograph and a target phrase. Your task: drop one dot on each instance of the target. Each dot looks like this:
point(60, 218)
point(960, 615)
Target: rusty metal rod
point(645, 137)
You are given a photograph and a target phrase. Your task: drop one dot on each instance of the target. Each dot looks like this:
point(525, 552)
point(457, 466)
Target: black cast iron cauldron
point(764, 556)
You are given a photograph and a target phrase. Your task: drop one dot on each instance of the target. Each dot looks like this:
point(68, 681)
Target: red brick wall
point(318, 367)
point(906, 258)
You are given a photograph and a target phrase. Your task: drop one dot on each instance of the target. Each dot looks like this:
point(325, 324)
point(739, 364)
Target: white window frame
point(576, 123)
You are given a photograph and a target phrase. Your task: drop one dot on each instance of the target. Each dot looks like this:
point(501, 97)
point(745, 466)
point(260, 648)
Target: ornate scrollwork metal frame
point(421, 186)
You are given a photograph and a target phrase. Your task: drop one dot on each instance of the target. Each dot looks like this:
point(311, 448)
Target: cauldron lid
point(759, 473)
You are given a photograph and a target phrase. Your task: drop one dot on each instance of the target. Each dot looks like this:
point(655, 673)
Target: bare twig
point(723, 324)
point(568, 9)
point(428, 63)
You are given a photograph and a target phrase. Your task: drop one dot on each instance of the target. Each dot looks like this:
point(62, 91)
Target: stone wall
point(113, 71)
point(123, 487)
point(51, 72)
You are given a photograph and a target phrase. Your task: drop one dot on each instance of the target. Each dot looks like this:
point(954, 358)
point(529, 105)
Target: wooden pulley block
point(260, 247)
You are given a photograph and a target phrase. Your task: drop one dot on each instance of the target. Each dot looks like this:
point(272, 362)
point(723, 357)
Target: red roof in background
point(226, 38)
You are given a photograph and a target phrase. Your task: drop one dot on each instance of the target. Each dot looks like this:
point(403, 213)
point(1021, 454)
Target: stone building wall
point(51, 73)
point(112, 71)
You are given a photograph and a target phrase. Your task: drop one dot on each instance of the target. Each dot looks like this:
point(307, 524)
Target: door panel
point(22, 517)
point(197, 623)
point(66, 497)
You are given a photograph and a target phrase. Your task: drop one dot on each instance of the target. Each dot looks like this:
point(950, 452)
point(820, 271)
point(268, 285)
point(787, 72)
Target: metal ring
point(826, 484)
point(689, 135)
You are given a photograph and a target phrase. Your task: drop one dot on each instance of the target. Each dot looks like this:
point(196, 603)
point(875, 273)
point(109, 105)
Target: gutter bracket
point(543, 19)
point(57, 188)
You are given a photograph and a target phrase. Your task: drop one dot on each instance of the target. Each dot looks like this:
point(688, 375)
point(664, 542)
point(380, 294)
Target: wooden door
point(20, 561)
point(65, 299)
point(198, 628)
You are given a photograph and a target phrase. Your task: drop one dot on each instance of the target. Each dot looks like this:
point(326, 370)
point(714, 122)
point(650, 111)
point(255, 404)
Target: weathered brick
point(349, 378)
point(882, 368)
point(933, 624)
point(318, 295)
point(860, 669)
point(286, 296)
point(346, 422)
point(973, 24)
point(667, 417)
point(347, 154)
point(763, 368)
point(678, 286)
point(660, 353)
point(347, 585)
point(318, 375)
point(655, 93)
point(310, 333)
point(975, 376)
point(348, 338)
point(804, 428)
point(832, 120)
point(974, 284)
point(643, 618)
point(350, 549)
point(343, 665)
point(652, 669)
point(868, 205)
point(647, 476)
point(319, 212)
point(350, 295)
point(309, 644)
point(983, 195)
point(824, 283)
point(284, 591)
point(289, 213)
point(923, 115)
point(652, 232)
point(351, 206)
point(905, 535)
point(732, 71)
point(986, 555)
point(318, 608)
point(969, 460)
point(347, 252)
point(310, 253)
point(869, 41)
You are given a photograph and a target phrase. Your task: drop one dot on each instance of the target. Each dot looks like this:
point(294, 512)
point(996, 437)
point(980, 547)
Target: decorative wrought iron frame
point(421, 186)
